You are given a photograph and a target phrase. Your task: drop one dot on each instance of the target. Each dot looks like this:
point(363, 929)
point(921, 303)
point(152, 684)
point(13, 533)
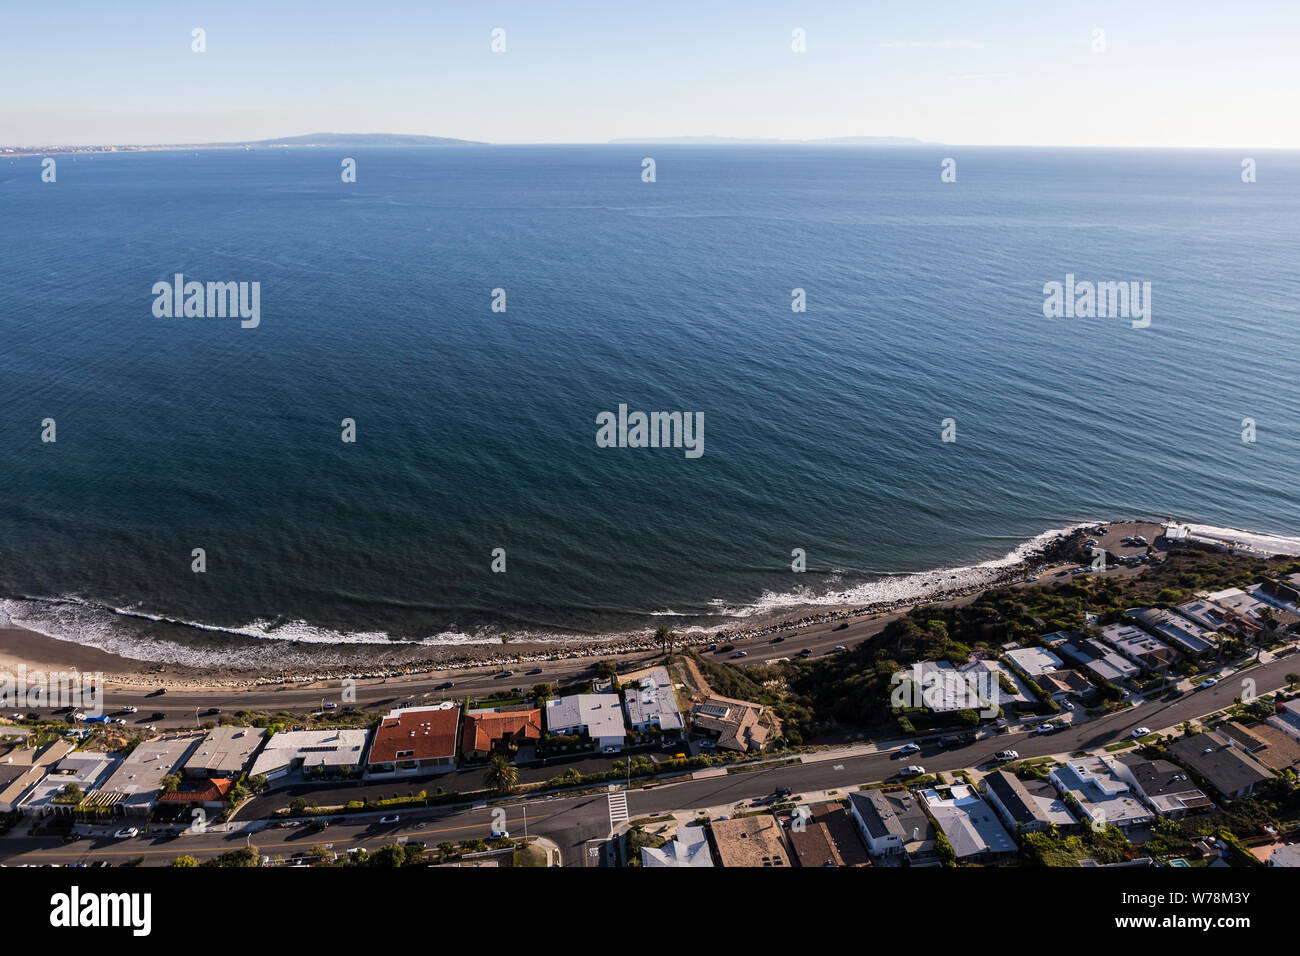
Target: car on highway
point(913, 770)
point(1004, 755)
point(776, 640)
point(216, 710)
point(839, 647)
point(157, 715)
point(126, 833)
point(129, 710)
point(446, 685)
point(390, 819)
point(908, 749)
point(724, 648)
point(505, 674)
point(806, 652)
point(157, 693)
point(1141, 732)
point(841, 627)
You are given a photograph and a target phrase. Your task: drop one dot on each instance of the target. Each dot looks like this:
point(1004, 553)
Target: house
point(690, 847)
point(1101, 797)
point(132, 788)
point(1104, 663)
point(1034, 661)
point(82, 769)
point(1288, 855)
point(823, 834)
point(320, 751)
point(1063, 684)
point(1246, 603)
point(1221, 762)
point(1282, 595)
point(22, 768)
point(1186, 636)
point(225, 752)
point(998, 686)
point(1267, 744)
point(893, 823)
point(1164, 786)
point(730, 724)
point(206, 792)
point(413, 739)
point(1023, 810)
point(1287, 719)
point(970, 825)
point(499, 730)
point(750, 842)
point(1214, 617)
point(598, 716)
point(650, 702)
point(1139, 647)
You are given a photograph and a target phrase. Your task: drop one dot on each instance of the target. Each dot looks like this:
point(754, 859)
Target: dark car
point(157, 715)
point(535, 670)
point(726, 647)
point(776, 640)
point(840, 627)
point(214, 710)
point(447, 685)
point(782, 791)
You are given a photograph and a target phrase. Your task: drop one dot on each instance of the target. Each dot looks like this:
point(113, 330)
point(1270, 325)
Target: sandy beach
point(20, 646)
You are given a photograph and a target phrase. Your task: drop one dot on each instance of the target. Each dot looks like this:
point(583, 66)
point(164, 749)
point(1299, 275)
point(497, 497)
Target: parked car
point(908, 749)
point(127, 833)
point(726, 647)
point(610, 750)
point(1209, 682)
point(912, 771)
point(839, 647)
point(157, 715)
point(500, 832)
point(216, 710)
point(782, 791)
point(392, 819)
point(329, 705)
point(1004, 755)
point(1141, 732)
point(129, 710)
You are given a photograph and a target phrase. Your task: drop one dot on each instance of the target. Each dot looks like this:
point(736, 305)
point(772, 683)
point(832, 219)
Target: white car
point(500, 833)
point(908, 749)
point(130, 710)
point(1141, 732)
point(1209, 682)
point(912, 771)
point(1069, 706)
point(126, 833)
point(1005, 755)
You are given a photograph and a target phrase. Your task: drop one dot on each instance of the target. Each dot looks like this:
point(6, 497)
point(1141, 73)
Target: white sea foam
point(1263, 543)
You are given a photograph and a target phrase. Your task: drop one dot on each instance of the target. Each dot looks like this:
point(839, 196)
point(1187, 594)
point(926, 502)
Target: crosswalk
point(617, 808)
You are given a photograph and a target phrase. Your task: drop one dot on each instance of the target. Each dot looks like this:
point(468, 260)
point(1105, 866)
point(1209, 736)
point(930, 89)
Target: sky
point(1191, 73)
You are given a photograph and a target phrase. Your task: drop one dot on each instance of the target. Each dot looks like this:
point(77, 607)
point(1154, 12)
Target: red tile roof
point(210, 791)
point(484, 731)
point(426, 733)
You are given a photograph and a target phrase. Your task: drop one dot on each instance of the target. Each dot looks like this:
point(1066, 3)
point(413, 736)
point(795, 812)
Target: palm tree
point(665, 638)
point(502, 775)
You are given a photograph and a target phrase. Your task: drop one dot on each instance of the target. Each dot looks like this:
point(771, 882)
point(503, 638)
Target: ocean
point(476, 429)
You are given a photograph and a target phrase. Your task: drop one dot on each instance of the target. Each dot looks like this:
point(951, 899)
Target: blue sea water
point(476, 429)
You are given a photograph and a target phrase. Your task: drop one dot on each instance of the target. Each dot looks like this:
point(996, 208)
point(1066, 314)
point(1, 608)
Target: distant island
point(310, 139)
point(742, 141)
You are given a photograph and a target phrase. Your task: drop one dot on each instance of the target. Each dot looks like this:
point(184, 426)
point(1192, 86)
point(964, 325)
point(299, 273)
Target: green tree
point(502, 776)
point(542, 693)
point(170, 783)
point(185, 861)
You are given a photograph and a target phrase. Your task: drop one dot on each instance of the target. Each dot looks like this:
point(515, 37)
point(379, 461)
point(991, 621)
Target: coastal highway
point(572, 820)
point(180, 703)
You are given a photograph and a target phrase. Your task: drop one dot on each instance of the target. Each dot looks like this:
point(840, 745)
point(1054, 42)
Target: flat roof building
point(599, 716)
point(133, 786)
point(651, 702)
point(310, 750)
point(1034, 660)
point(225, 752)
